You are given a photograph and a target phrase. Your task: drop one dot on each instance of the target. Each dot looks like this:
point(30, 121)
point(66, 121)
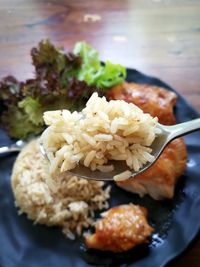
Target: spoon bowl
point(167, 134)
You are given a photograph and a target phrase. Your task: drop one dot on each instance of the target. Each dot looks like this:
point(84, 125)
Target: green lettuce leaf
point(18, 124)
point(62, 81)
point(93, 72)
point(33, 109)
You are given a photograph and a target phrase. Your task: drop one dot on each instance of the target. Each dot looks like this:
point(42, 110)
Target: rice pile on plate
point(65, 200)
point(103, 131)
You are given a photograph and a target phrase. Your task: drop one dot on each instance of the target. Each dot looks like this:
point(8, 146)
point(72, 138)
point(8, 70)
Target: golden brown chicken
point(120, 229)
point(159, 180)
point(151, 99)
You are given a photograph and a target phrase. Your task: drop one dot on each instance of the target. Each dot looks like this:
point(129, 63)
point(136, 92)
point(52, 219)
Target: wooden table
point(158, 37)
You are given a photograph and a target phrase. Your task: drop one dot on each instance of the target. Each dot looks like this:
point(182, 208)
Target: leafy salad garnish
point(62, 80)
point(93, 72)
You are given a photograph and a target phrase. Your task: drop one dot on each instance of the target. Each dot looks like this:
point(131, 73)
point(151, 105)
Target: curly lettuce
point(93, 72)
point(62, 80)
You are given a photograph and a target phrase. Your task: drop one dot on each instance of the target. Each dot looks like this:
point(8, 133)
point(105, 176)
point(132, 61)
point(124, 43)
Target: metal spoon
point(168, 133)
point(16, 147)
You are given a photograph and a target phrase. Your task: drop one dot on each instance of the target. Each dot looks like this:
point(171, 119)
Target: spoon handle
point(183, 128)
point(12, 148)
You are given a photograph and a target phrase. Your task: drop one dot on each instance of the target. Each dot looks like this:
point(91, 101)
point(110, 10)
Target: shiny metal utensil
point(16, 147)
point(168, 133)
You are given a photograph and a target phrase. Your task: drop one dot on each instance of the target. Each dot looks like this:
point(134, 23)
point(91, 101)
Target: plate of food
point(51, 217)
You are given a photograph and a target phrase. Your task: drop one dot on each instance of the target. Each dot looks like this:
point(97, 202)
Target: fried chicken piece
point(120, 229)
point(151, 99)
point(160, 179)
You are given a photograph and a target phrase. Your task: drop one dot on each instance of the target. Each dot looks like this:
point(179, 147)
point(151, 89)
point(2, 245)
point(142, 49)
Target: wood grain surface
point(158, 37)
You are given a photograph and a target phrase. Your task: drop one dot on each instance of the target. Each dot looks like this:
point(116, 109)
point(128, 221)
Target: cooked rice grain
point(103, 131)
point(66, 201)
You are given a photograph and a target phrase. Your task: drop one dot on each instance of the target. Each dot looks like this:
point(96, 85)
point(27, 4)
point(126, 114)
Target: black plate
point(176, 222)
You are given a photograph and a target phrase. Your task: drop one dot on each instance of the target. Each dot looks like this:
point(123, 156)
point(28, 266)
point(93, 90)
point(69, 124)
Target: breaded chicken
point(160, 179)
point(120, 229)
